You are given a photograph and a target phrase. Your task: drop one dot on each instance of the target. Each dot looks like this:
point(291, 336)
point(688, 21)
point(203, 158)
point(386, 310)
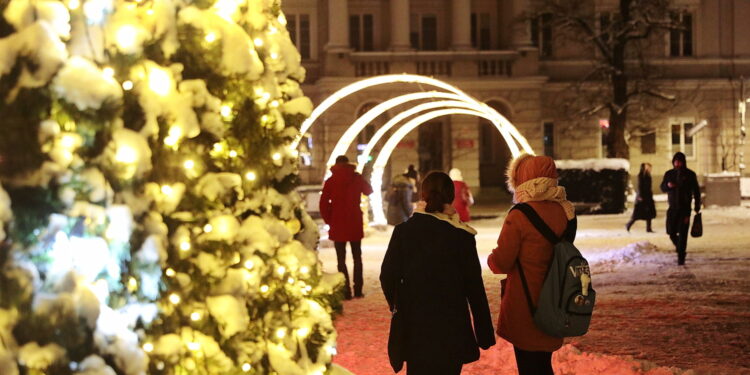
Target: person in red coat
point(463, 199)
point(340, 209)
point(533, 180)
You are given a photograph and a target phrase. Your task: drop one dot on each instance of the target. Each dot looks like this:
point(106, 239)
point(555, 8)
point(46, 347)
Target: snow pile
point(5, 213)
point(83, 84)
point(633, 253)
point(594, 164)
point(570, 360)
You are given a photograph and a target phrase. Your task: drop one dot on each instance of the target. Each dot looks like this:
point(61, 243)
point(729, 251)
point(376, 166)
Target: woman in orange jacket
point(533, 180)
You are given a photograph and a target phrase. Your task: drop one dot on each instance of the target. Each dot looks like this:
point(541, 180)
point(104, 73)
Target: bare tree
point(621, 78)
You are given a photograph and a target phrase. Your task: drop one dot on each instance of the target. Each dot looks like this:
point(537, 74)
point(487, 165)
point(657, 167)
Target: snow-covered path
point(652, 316)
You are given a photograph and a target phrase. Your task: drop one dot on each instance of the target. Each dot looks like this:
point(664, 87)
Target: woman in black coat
point(430, 277)
point(644, 201)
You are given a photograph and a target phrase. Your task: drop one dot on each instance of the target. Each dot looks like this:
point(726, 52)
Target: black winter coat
point(431, 276)
point(685, 189)
point(644, 208)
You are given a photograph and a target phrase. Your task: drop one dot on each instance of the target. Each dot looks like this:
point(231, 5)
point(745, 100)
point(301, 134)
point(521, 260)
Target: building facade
point(493, 51)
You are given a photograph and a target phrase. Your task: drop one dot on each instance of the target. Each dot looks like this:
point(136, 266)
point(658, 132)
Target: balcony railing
point(435, 63)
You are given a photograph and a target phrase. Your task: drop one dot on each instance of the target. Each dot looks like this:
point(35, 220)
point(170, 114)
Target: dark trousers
point(631, 221)
point(678, 227)
point(432, 368)
point(533, 363)
point(357, 256)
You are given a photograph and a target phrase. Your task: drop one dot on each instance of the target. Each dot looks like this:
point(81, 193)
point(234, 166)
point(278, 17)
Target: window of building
point(361, 32)
point(423, 32)
point(549, 139)
point(541, 34)
point(681, 38)
point(681, 141)
point(299, 30)
point(480, 30)
point(648, 143)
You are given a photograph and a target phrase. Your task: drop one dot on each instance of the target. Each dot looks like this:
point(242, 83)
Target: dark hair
point(411, 172)
point(643, 169)
point(342, 159)
point(437, 190)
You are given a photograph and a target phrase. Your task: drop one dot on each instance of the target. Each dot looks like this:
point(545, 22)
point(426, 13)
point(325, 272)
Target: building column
point(461, 24)
point(338, 26)
point(400, 13)
point(521, 31)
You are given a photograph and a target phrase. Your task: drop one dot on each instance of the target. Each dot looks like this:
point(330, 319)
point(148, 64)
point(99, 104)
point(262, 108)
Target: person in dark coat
point(644, 208)
point(340, 209)
point(399, 199)
point(432, 280)
point(413, 176)
point(681, 186)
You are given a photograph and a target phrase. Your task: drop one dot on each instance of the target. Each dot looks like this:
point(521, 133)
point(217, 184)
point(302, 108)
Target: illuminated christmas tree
point(148, 218)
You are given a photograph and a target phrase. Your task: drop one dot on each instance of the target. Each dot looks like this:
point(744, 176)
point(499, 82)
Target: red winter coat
point(462, 200)
point(339, 203)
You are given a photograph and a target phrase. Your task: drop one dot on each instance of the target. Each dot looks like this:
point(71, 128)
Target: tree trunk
point(617, 147)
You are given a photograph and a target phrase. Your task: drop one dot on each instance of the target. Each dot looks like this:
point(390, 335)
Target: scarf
point(544, 189)
point(451, 217)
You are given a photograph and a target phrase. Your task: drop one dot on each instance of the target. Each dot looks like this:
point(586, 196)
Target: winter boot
point(681, 259)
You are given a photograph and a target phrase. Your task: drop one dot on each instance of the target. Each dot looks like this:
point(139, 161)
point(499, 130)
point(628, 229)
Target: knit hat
point(527, 167)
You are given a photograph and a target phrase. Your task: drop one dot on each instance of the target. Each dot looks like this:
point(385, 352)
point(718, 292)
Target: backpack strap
point(545, 230)
point(537, 221)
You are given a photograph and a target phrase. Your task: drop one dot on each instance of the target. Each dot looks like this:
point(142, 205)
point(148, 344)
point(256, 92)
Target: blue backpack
point(567, 298)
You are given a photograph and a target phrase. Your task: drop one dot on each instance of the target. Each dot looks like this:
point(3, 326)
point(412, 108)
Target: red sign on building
point(407, 143)
point(464, 143)
point(604, 123)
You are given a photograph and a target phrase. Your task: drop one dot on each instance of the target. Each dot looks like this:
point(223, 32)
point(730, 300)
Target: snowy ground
point(652, 317)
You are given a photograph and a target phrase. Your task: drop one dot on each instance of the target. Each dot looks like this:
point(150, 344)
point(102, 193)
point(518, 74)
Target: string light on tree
point(127, 85)
point(281, 333)
point(189, 164)
point(126, 37)
point(226, 111)
point(185, 246)
point(148, 347)
point(250, 176)
point(246, 367)
point(196, 316)
point(108, 72)
point(258, 42)
point(174, 298)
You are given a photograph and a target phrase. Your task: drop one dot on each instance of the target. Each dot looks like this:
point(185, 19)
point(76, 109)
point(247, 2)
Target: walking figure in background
point(463, 199)
point(413, 176)
point(532, 180)
point(432, 280)
point(399, 198)
point(681, 186)
point(340, 209)
point(644, 208)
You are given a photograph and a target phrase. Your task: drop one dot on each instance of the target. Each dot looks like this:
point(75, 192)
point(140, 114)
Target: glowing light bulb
point(166, 190)
point(208, 228)
point(210, 37)
point(274, 55)
point(148, 347)
point(281, 270)
point(127, 85)
point(196, 316)
point(174, 298)
point(174, 135)
point(170, 272)
point(290, 280)
point(250, 176)
point(108, 72)
point(276, 156)
point(188, 164)
point(264, 118)
point(304, 269)
point(68, 141)
point(133, 283)
point(233, 154)
point(280, 333)
point(258, 42)
point(126, 154)
point(282, 19)
point(274, 104)
point(249, 264)
point(126, 37)
point(194, 346)
point(150, 12)
point(266, 96)
point(331, 350)
point(303, 332)
point(218, 147)
point(264, 288)
point(73, 4)
point(226, 110)
point(159, 81)
point(246, 367)
point(185, 246)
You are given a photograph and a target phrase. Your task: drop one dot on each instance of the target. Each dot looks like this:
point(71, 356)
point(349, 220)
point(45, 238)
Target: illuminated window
point(681, 141)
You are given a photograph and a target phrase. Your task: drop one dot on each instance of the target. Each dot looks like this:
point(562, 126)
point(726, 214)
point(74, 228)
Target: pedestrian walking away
point(463, 199)
point(432, 280)
point(340, 209)
point(399, 198)
point(532, 180)
point(644, 208)
point(681, 186)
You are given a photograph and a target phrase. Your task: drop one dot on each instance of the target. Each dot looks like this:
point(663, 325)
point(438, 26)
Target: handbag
point(697, 229)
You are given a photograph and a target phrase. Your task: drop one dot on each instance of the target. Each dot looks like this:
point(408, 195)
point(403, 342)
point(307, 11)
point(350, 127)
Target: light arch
point(455, 101)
